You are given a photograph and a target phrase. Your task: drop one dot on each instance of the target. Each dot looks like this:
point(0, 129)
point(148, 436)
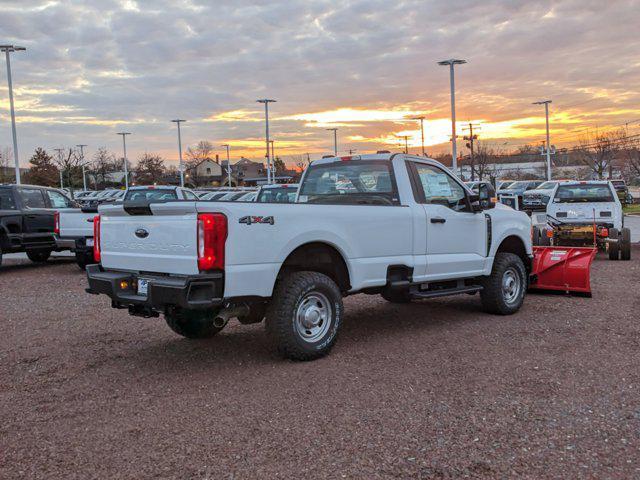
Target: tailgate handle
point(438, 220)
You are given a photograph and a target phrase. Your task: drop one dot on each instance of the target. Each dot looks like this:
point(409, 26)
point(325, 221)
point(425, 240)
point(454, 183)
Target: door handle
point(438, 220)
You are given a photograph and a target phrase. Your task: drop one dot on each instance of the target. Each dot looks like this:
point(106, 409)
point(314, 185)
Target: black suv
point(27, 219)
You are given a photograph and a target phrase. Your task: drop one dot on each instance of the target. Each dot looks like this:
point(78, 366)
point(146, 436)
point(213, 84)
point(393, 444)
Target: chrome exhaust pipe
point(228, 313)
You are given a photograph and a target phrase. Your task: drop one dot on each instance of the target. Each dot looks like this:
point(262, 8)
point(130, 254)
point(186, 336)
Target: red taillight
point(212, 235)
point(56, 223)
point(96, 238)
point(604, 232)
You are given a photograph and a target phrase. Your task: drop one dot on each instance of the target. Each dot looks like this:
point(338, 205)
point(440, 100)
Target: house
point(207, 172)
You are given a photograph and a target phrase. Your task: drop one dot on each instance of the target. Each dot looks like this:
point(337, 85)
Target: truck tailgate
point(76, 223)
point(163, 242)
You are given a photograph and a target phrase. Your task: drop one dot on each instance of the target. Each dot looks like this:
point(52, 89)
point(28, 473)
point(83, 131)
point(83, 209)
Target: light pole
point(546, 112)
point(335, 140)
point(84, 178)
point(266, 102)
point(7, 49)
point(406, 142)
point(177, 122)
point(126, 169)
point(454, 148)
point(228, 162)
point(273, 161)
point(421, 118)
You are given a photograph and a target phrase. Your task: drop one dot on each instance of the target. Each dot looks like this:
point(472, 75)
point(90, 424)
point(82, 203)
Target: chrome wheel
point(511, 285)
point(313, 317)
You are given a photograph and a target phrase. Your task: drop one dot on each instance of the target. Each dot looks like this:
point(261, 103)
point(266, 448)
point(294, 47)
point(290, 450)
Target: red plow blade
point(564, 269)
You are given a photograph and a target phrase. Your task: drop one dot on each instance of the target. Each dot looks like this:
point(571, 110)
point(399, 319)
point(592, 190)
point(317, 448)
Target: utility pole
point(178, 122)
point(126, 168)
point(471, 137)
point(266, 102)
point(60, 150)
point(7, 49)
point(421, 118)
point(84, 177)
point(454, 148)
point(352, 151)
point(227, 146)
point(335, 140)
point(406, 142)
point(548, 146)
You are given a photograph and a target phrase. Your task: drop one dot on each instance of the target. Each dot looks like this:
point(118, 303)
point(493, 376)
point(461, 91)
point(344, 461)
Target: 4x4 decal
point(248, 220)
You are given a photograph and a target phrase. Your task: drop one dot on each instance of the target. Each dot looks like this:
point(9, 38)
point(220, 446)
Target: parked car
point(538, 198)
point(574, 210)
point(398, 225)
point(517, 189)
point(277, 193)
point(247, 197)
point(502, 184)
point(27, 219)
point(156, 193)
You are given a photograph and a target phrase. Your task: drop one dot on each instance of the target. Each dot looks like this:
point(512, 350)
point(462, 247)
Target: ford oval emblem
point(142, 233)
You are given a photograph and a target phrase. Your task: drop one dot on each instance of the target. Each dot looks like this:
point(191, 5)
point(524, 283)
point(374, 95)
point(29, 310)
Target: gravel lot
point(435, 389)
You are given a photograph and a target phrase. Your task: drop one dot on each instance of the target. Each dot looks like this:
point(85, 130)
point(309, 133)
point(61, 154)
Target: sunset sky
point(96, 67)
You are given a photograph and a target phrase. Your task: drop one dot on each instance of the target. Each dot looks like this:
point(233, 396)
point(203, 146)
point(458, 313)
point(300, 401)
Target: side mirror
point(485, 201)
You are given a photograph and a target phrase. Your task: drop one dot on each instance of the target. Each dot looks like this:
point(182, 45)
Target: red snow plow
point(562, 269)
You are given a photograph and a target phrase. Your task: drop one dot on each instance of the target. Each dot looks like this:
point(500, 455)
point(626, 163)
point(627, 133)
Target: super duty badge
point(249, 220)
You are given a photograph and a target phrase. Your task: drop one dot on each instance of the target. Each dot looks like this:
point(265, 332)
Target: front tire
point(194, 324)
point(503, 291)
point(38, 256)
point(304, 315)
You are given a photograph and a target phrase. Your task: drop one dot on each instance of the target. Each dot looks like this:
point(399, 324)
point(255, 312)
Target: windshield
point(517, 185)
point(546, 186)
point(150, 195)
point(350, 183)
point(284, 194)
point(505, 185)
point(583, 193)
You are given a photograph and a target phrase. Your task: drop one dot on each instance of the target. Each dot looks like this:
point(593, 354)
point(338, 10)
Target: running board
point(445, 291)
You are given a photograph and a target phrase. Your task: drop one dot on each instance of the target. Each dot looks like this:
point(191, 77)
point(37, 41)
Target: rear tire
point(83, 259)
point(503, 291)
point(194, 324)
point(304, 315)
point(625, 244)
point(38, 256)
point(614, 247)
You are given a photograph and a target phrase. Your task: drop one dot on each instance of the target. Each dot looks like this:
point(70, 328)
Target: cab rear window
point(583, 193)
point(150, 195)
point(350, 183)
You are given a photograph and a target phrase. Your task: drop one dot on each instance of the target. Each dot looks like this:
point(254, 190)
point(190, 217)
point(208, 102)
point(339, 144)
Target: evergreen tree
point(43, 171)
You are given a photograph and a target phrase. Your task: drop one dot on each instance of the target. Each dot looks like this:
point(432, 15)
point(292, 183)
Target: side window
point(6, 199)
point(32, 198)
point(439, 187)
point(58, 200)
point(189, 195)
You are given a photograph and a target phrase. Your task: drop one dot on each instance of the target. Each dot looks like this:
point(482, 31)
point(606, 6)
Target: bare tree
point(5, 171)
point(103, 164)
point(150, 169)
point(598, 152)
point(628, 152)
point(69, 162)
point(202, 151)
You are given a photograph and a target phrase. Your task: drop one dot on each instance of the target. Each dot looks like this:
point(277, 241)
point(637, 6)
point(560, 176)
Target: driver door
point(456, 236)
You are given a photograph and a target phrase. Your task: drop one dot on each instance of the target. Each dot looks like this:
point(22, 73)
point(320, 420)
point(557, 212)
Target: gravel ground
point(434, 389)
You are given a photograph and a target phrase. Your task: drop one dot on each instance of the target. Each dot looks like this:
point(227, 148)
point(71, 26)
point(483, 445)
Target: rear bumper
point(65, 243)
point(31, 241)
point(189, 292)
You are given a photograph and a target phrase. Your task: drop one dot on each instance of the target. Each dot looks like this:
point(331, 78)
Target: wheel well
point(515, 245)
point(318, 257)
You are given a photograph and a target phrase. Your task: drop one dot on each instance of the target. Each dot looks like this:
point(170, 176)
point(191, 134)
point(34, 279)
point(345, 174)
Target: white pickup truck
point(73, 230)
point(397, 225)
